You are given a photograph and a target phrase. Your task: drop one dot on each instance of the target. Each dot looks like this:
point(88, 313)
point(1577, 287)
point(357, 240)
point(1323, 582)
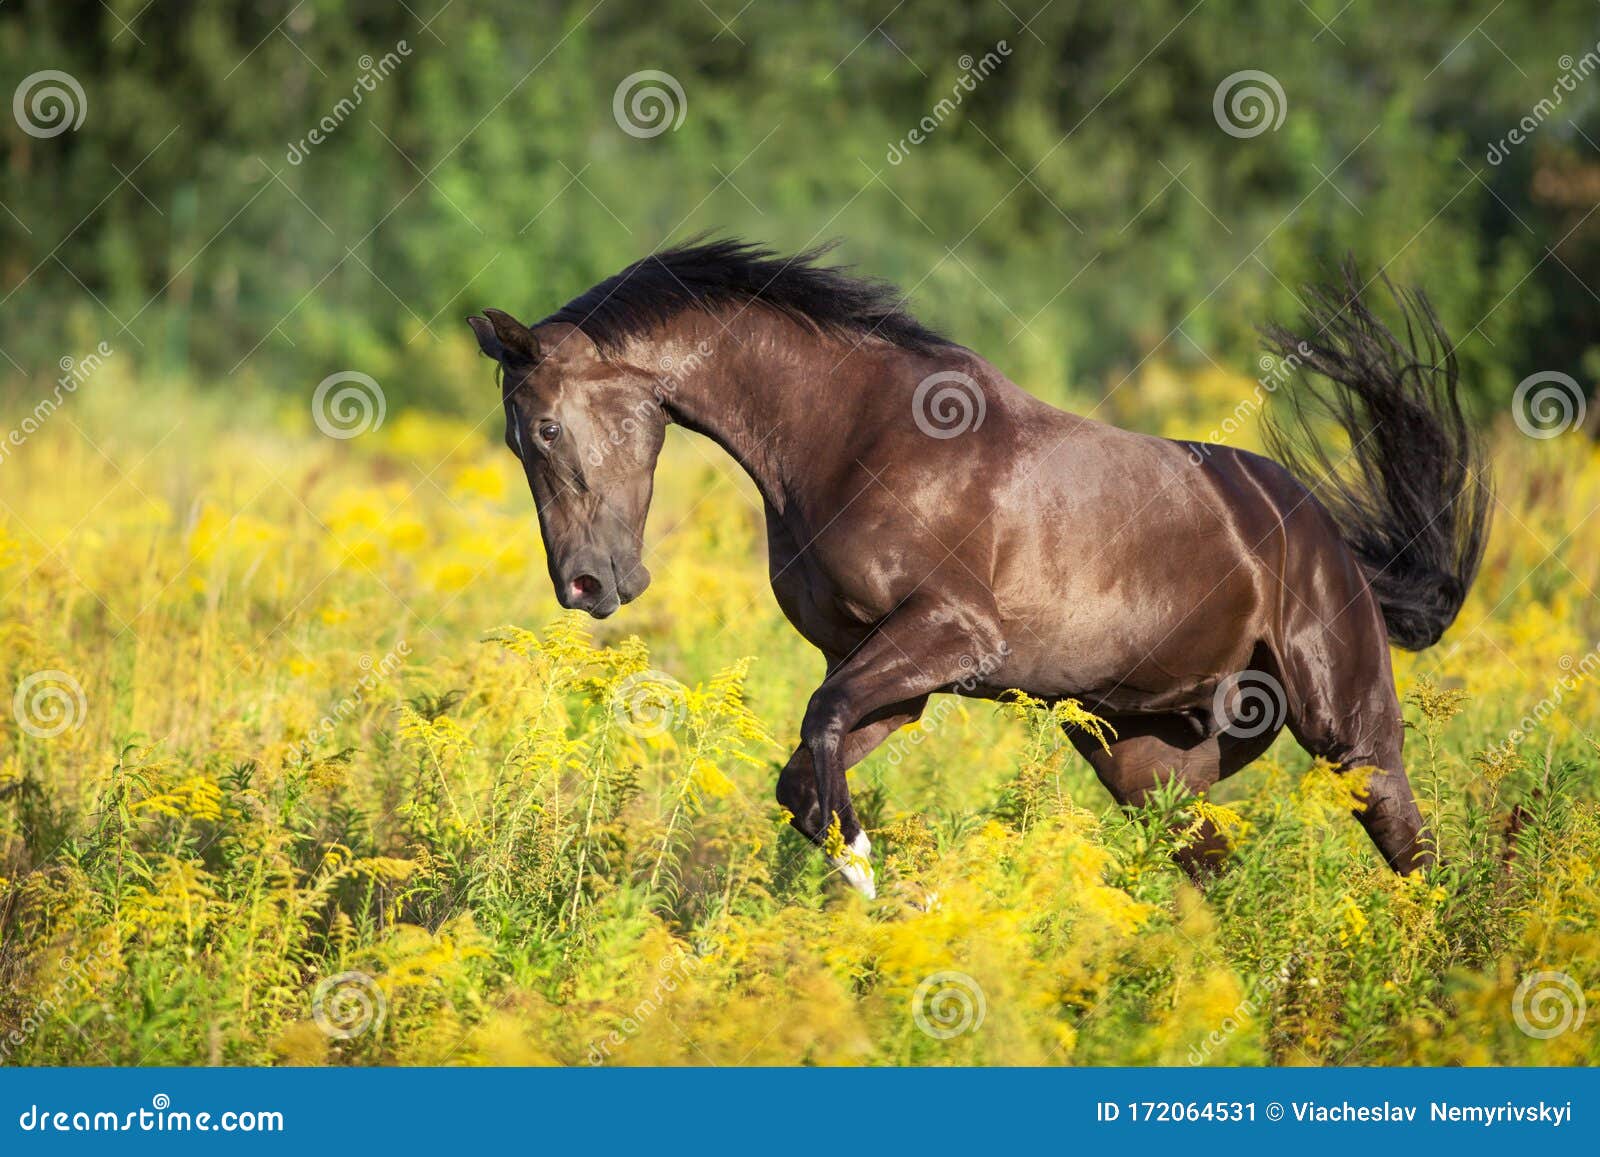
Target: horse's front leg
point(797, 791)
point(916, 650)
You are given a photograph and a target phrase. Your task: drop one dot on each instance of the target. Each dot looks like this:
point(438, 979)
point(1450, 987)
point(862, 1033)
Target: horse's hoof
point(856, 866)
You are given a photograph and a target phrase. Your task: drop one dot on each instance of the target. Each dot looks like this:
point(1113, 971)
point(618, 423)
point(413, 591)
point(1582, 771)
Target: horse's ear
point(488, 344)
point(514, 337)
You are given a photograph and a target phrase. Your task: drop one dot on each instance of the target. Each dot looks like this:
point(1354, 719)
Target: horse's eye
point(550, 431)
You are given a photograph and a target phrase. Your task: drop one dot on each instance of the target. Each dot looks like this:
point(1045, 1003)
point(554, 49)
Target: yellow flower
point(483, 480)
point(709, 780)
point(407, 535)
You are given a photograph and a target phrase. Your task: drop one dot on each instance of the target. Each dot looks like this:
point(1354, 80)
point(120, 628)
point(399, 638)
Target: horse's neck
point(725, 383)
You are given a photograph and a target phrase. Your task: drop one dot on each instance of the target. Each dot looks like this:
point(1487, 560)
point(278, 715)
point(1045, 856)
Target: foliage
point(517, 864)
point(1079, 210)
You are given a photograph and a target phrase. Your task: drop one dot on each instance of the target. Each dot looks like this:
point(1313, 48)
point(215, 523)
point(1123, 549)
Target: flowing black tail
point(1411, 495)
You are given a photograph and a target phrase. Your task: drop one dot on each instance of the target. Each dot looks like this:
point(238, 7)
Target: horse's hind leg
point(1151, 750)
point(1342, 707)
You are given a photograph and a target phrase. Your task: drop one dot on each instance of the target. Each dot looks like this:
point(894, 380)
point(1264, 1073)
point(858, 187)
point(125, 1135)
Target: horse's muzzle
point(600, 586)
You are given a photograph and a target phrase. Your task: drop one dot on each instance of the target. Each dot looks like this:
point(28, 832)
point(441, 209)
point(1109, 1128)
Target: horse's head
point(587, 430)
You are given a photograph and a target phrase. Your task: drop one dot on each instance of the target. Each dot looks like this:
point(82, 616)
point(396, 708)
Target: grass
point(315, 772)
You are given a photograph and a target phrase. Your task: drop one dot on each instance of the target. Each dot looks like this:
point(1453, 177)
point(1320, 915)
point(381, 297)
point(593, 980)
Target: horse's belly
point(1155, 638)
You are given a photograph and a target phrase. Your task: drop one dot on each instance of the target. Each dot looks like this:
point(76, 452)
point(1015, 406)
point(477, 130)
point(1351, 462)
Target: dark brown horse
point(932, 528)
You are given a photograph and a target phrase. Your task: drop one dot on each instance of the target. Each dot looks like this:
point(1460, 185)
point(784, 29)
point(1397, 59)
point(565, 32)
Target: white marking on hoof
point(856, 866)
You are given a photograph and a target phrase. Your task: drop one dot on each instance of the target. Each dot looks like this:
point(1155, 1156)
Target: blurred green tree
point(273, 192)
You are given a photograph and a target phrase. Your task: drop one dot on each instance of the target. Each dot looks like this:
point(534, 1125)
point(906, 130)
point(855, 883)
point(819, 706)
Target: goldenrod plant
point(314, 772)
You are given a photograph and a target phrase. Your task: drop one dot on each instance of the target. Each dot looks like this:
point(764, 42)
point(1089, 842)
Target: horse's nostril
point(585, 586)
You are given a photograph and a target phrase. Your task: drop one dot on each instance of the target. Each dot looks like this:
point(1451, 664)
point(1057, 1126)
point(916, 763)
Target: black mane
point(711, 275)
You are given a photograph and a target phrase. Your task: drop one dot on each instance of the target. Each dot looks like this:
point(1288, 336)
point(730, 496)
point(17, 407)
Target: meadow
point(301, 764)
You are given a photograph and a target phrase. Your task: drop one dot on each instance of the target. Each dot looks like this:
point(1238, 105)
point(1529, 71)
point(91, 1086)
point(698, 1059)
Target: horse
point(933, 528)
